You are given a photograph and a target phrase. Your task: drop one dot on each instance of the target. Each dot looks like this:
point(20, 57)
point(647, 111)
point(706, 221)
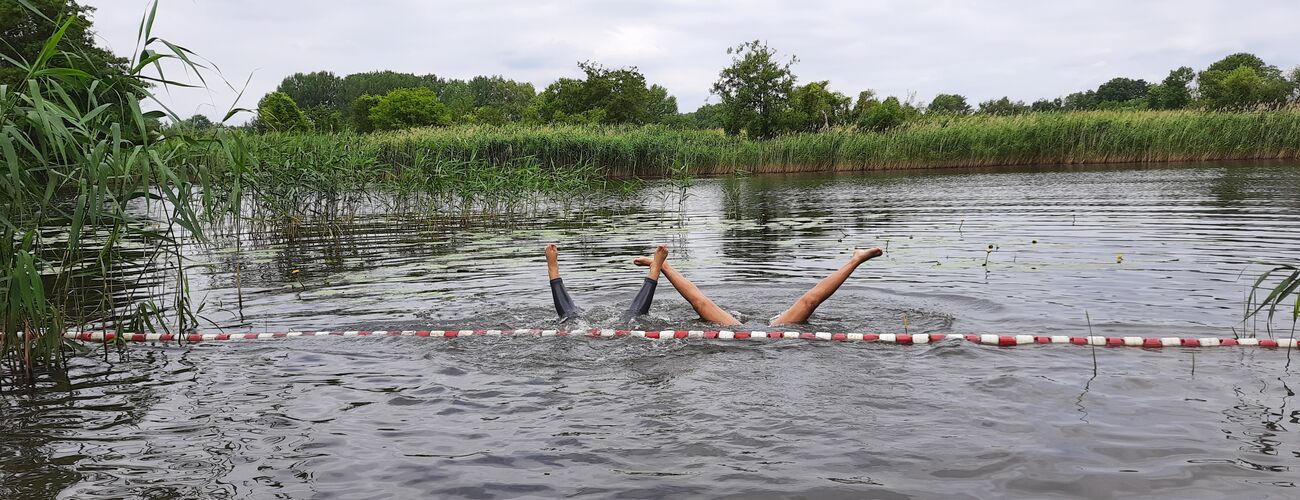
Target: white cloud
point(1020, 48)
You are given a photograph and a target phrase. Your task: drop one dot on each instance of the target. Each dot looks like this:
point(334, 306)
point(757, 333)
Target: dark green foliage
point(1243, 81)
point(406, 108)
point(498, 100)
point(759, 97)
point(311, 90)
point(459, 100)
point(1121, 90)
point(660, 106)
point(949, 104)
point(755, 90)
point(707, 116)
point(1080, 101)
point(383, 82)
point(563, 101)
point(196, 123)
point(327, 119)
point(1173, 92)
point(814, 107)
point(889, 114)
point(865, 101)
point(329, 101)
point(22, 37)
point(1002, 107)
point(1047, 105)
point(604, 96)
point(278, 113)
point(360, 112)
point(621, 94)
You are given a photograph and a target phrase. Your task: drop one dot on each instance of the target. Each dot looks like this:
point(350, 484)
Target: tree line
point(387, 100)
point(757, 94)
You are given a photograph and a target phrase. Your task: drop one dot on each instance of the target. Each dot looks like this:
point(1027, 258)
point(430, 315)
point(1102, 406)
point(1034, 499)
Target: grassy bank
point(1036, 138)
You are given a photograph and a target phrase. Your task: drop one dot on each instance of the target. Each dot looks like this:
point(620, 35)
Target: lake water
point(1121, 250)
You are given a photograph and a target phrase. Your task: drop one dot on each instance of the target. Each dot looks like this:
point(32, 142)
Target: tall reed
point(86, 180)
point(977, 141)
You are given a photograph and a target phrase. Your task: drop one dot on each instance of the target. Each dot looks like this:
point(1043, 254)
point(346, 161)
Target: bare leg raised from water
point(564, 305)
point(656, 265)
point(804, 307)
point(705, 307)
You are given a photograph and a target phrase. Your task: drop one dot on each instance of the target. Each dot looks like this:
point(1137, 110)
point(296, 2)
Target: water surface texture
point(1119, 250)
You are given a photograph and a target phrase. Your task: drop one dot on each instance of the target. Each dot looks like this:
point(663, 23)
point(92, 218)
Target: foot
point(552, 261)
point(642, 261)
point(863, 255)
point(661, 255)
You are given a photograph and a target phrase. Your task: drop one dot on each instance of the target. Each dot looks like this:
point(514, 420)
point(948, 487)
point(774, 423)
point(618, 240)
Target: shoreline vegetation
point(621, 152)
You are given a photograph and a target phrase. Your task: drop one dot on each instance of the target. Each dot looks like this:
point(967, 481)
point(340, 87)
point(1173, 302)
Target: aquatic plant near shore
point(79, 152)
point(1287, 287)
point(302, 180)
point(941, 142)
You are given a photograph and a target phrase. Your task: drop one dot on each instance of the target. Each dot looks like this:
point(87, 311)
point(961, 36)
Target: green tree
point(865, 101)
point(949, 104)
point(1122, 90)
point(1080, 101)
point(1295, 84)
point(623, 95)
point(659, 105)
point(382, 82)
point(1241, 81)
point(361, 107)
point(312, 90)
point(889, 114)
point(707, 116)
point(278, 113)
point(23, 34)
point(1002, 107)
point(815, 107)
point(458, 98)
point(198, 122)
point(499, 100)
point(1047, 105)
point(1173, 92)
point(406, 108)
point(755, 90)
point(603, 96)
point(563, 101)
point(326, 119)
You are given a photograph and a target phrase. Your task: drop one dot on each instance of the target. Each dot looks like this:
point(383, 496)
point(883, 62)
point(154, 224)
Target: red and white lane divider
point(888, 338)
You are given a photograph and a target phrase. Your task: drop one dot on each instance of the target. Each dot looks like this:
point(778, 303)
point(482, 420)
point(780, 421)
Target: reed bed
point(978, 141)
point(309, 179)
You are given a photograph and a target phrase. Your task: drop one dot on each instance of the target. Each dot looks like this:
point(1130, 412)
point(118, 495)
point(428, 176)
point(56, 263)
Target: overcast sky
point(983, 50)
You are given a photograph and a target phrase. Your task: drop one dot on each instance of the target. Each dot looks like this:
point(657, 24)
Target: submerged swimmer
point(567, 310)
point(797, 313)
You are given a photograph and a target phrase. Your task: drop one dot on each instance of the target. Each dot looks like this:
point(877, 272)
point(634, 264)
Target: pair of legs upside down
point(705, 307)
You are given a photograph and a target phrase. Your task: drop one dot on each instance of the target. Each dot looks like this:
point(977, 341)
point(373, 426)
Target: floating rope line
point(887, 338)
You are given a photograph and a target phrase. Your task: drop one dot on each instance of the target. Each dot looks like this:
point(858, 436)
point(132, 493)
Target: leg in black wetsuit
point(564, 305)
point(567, 310)
point(641, 303)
